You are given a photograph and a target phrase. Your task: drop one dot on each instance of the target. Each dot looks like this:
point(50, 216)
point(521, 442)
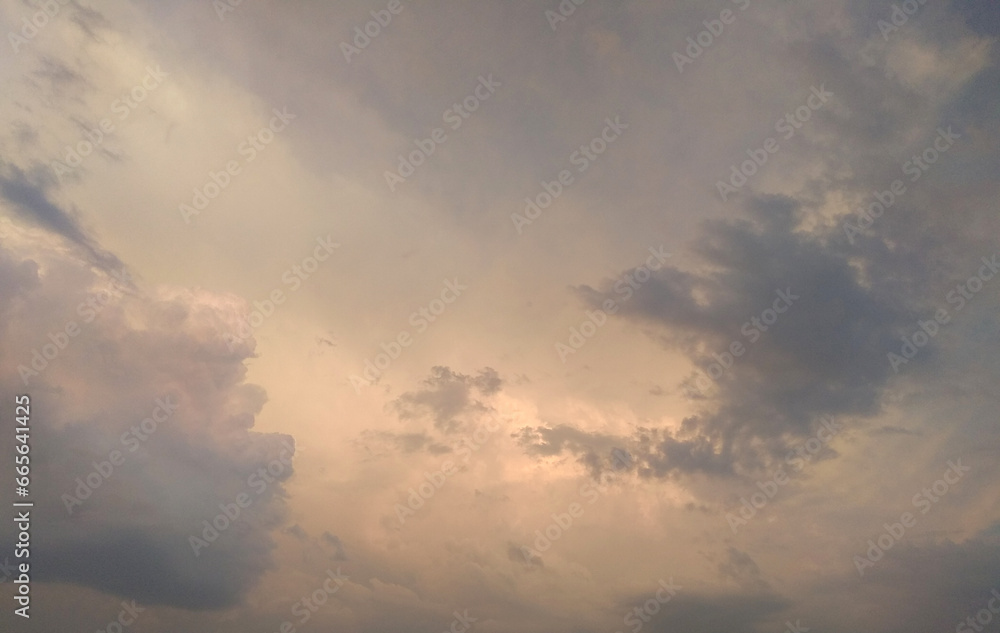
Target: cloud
point(741, 567)
point(929, 584)
point(823, 355)
point(28, 194)
point(129, 535)
point(447, 396)
point(333, 541)
point(547, 441)
point(597, 452)
point(982, 16)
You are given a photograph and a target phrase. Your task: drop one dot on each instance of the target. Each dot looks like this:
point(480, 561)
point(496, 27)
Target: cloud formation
point(145, 426)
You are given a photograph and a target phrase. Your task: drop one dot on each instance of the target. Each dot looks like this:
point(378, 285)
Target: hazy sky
point(503, 316)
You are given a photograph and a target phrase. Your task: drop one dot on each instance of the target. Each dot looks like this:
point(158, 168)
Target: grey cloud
point(130, 536)
point(661, 455)
point(296, 531)
point(598, 453)
point(554, 440)
point(449, 400)
point(334, 542)
point(741, 568)
point(29, 196)
point(58, 73)
point(982, 16)
point(926, 584)
point(90, 21)
point(825, 355)
point(448, 395)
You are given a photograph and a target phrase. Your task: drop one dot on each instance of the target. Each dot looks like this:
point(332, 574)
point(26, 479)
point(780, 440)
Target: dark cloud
point(824, 355)
point(143, 354)
point(741, 568)
point(90, 21)
point(58, 73)
point(333, 541)
point(650, 452)
point(660, 454)
point(450, 401)
point(982, 16)
point(598, 453)
point(448, 395)
point(28, 193)
point(547, 441)
point(296, 531)
point(924, 583)
point(153, 566)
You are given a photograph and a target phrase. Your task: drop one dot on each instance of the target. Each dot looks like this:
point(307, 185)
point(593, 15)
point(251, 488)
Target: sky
point(507, 317)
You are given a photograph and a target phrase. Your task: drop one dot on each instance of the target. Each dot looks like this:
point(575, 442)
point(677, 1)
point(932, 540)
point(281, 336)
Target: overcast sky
point(503, 316)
